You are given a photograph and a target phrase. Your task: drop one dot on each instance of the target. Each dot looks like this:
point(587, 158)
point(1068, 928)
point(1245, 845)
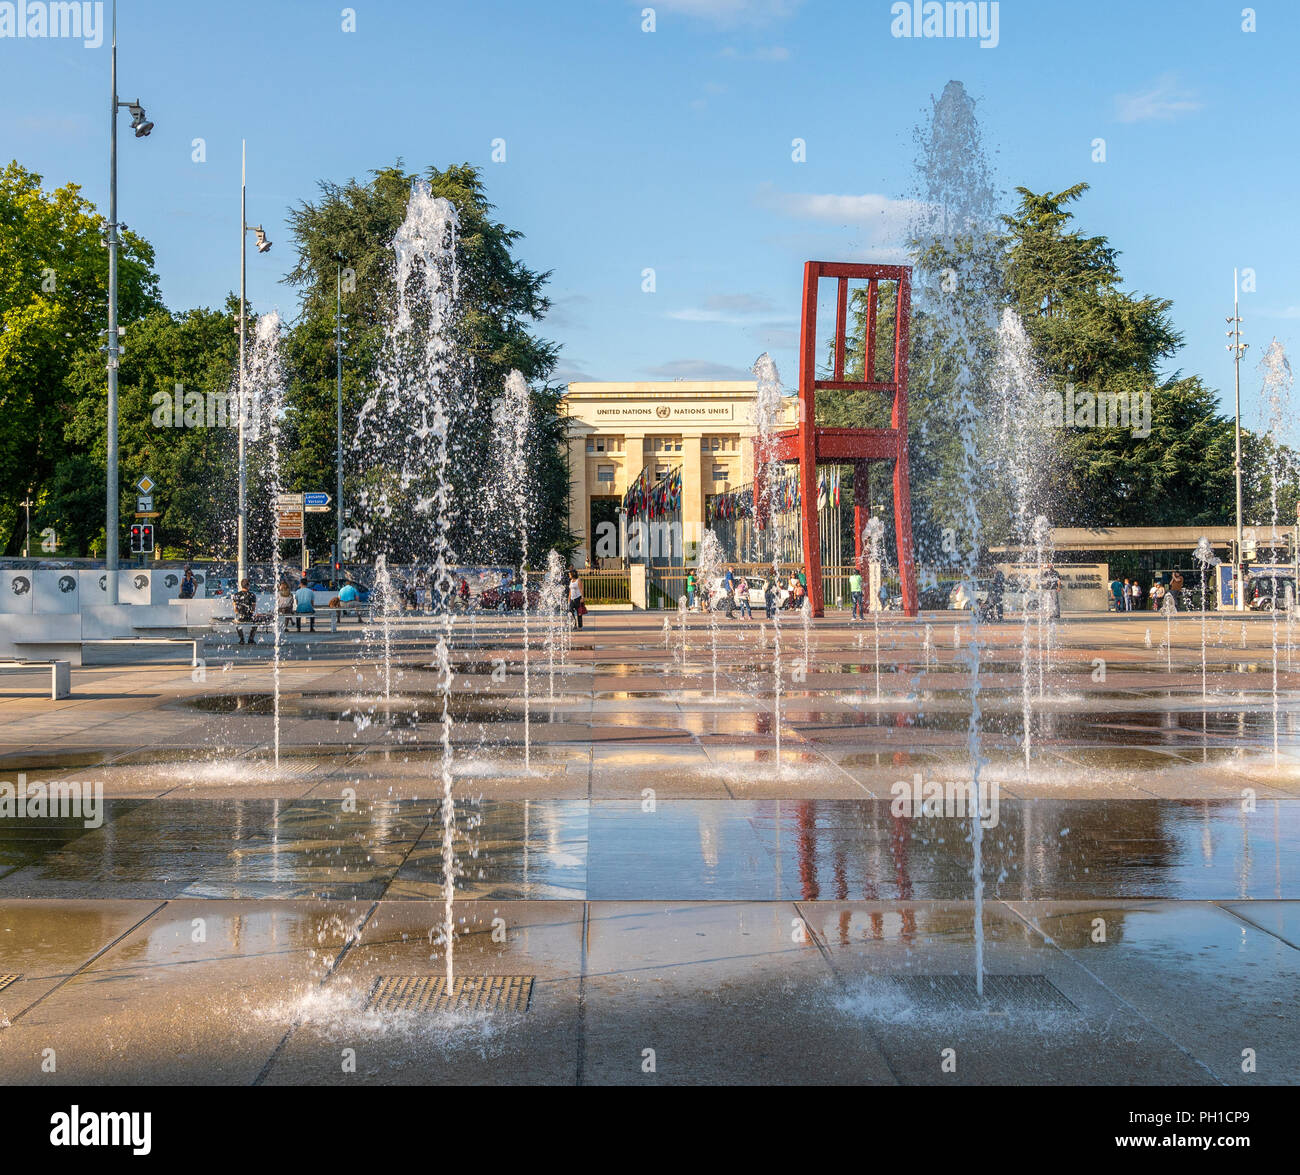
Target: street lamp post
point(338, 435)
point(142, 126)
point(1237, 347)
point(27, 505)
point(262, 246)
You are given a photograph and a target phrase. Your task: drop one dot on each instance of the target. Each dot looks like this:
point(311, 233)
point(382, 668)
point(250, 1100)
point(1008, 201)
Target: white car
point(718, 594)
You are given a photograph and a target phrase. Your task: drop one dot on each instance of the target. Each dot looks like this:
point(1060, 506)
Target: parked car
point(1261, 592)
point(489, 599)
point(717, 593)
point(325, 590)
point(959, 598)
point(935, 597)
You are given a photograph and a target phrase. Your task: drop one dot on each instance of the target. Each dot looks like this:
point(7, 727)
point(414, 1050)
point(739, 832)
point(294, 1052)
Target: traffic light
point(137, 538)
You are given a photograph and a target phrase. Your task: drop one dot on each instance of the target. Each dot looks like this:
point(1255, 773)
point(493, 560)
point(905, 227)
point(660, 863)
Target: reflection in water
point(735, 849)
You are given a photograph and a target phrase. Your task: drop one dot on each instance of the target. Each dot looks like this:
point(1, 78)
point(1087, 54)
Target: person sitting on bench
point(245, 602)
point(348, 594)
point(304, 604)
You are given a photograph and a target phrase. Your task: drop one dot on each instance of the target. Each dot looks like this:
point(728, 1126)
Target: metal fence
point(605, 587)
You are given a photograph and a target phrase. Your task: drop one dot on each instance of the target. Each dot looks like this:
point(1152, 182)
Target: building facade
point(617, 430)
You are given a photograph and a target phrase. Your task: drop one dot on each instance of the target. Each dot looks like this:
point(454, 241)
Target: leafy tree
point(500, 300)
point(192, 455)
point(53, 306)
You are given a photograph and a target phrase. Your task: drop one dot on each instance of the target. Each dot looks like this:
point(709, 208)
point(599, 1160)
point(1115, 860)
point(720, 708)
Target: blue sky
point(671, 150)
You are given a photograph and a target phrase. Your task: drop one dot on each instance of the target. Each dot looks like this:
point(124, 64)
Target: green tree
point(53, 306)
point(192, 456)
point(1089, 333)
point(500, 300)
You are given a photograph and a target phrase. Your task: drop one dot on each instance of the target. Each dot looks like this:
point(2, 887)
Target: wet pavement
point(691, 907)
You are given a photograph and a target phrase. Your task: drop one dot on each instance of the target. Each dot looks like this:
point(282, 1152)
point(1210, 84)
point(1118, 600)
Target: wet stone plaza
point(672, 863)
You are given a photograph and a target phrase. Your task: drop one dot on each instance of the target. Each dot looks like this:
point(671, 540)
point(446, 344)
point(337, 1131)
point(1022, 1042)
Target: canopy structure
point(807, 444)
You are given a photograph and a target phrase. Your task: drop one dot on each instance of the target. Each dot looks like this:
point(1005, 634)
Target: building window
point(661, 471)
point(591, 444)
point(604, 473)
point(719, 473)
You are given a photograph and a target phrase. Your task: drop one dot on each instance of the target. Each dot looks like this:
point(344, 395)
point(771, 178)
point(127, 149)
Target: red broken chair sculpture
point(807, 444)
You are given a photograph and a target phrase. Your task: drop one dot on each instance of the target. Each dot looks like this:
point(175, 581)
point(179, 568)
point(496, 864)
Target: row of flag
point(654, 499)
point(786, 497)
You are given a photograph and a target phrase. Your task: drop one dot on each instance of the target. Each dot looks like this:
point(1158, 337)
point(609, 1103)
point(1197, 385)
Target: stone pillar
point(638, 586)
point(692, 495)
point(633, 463)
point(579, 499)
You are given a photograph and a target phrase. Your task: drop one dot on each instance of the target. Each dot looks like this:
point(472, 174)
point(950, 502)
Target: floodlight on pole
point(112, 513)
point(263, 246)
point(1237, 347)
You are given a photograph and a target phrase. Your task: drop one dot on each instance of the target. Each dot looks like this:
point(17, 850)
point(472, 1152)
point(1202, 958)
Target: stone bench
point(60, 674)
point(151, 640)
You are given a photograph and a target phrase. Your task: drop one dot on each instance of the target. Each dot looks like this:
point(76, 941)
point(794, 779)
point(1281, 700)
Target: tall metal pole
point(338, 436)
point(1237, 347)
point(242, 523)
point(112, 521)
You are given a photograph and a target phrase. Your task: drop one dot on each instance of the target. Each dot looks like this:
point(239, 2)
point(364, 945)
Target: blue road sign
point(309, 500)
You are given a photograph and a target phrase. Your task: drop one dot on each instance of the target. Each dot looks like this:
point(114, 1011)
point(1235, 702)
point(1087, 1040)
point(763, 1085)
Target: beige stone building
point(618, 429)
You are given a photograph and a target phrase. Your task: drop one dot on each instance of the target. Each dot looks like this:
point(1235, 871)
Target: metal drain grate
point(469, 993)
point(1002, 993)
point(6, 980)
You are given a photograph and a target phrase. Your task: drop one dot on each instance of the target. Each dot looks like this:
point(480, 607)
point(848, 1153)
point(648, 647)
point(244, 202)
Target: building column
point(579, 498)
point(633, 464)
point(692, 495)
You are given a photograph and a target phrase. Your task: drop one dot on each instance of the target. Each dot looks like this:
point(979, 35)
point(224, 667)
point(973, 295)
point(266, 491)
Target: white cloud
point(698, 369)
point(1160, 102)
point(729, 13)
point(571, 373)
point(767, 53)
point(880, 225)
point(567, 311)
point(730, 309)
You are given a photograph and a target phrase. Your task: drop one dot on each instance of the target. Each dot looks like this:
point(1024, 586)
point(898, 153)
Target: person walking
point(1116, 595)
point(1176, 589)
point(769, 599)
point(997, 589)
point(1136, 592)
point(741, 597)
point(855, 594)
point(690, 589)
point(1157, 596)
point(1126, 595)
point(576, 607)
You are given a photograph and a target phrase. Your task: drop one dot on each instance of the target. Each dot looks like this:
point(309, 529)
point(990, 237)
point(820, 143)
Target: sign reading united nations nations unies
point(669, 412)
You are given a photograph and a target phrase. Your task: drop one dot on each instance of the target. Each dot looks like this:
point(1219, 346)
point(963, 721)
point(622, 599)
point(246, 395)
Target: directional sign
point(317, 501)
point(143, 504)
point(146, 485)
point(288, 511)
